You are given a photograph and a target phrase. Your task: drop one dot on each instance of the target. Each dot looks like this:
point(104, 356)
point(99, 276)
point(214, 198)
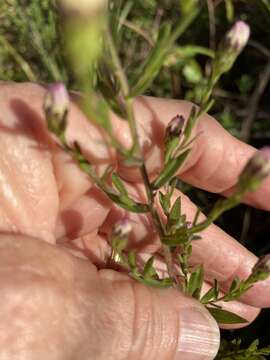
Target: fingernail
point(198, 336)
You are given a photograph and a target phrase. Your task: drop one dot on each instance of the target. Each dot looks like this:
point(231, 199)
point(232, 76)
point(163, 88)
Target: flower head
point(122, 228)
point(261, 270)
point(175, 127)
point(57, 100)
point(56, 105)
point(237, 37)
point(256, 170)
point(263, 264)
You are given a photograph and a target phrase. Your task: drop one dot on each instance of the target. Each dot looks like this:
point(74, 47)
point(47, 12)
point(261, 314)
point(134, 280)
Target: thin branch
point(263, 80)
point(212, 24)
point(130, 25)
point(19, 59)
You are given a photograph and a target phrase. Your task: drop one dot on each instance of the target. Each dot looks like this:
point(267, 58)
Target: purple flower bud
point(122, 228)
point(237, 37)
point(175, 127)
point(57, 100)
point(256, 170)
point(263, 264)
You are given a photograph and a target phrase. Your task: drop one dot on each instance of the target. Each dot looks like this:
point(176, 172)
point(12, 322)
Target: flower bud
point(262, 268)
point(263, 264)
point(56, 104)
point(237, 37)
point(57, 100)
point(256, 170)
point(228, 50)
point(122, 228)
point(175, 127)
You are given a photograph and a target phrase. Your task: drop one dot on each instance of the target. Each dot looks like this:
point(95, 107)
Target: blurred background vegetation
point(31, 49)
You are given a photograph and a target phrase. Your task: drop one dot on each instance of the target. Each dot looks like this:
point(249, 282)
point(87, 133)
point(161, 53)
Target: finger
point(92, 246)
point(25, 171)
point(222, 256)
point(216, 158)
point(82, 217)
point(247, 312)
point(38, 178)
point(93, 315)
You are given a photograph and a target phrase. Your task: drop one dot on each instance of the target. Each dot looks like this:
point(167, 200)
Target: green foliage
point(233, 351)
point(31, 42)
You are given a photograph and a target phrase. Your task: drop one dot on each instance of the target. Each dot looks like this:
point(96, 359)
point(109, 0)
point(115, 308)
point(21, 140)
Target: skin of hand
point(54, 302)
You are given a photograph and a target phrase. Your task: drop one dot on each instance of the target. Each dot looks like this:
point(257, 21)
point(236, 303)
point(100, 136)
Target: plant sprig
point(117, 92)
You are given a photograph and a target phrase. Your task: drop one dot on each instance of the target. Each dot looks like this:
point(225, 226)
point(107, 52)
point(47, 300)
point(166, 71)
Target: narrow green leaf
point(179, 238)
point(149, 272)
point(132, 260)
point(170, 169)
point(154, 62)
point(170, 148)
point(235, 283)
point(118, 183)
point(164, 202)
point(226, 317)
point(211, 294)
point(190, 122)
point(127, 203)
point(229, 10)
point(196, 217)
point(163, 283)
point(195, 282)
point(175, 213)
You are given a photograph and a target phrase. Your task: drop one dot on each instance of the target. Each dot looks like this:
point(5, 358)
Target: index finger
point(215, 161)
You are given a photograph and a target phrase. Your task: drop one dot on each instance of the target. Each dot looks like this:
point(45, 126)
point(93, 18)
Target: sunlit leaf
point(226, 317)
point(170, 169)
point(195, 282)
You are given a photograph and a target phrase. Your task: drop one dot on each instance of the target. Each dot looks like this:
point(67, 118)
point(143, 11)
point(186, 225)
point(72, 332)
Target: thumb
point(149, 323)
point(57, 306)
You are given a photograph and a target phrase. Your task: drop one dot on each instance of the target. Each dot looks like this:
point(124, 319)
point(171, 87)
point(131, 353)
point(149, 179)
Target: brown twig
point(212, 24)
point(130, 25)
point(263, 80)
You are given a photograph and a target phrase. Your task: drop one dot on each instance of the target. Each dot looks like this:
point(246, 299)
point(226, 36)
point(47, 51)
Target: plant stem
point(19, 59)
point(219, 208)
point(158, 223)
point(184, 24)
point(136, 150)
point(125, 90)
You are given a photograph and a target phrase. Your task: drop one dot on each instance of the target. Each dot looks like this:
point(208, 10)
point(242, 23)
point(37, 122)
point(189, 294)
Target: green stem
point(135, 150)
point(219, 209)
point(184, 24)
point(117, 65)
point(19, 59)
point(158, 223)
point(125, 90)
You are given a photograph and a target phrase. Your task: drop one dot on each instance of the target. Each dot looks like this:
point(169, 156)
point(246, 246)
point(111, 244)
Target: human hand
point(58, 305)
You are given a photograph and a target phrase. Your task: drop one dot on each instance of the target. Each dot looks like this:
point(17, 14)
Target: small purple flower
point(122, 228)
point(237, 37)
point(263, 264)
point(175, 127)
point(57, 100)
point(256, 170)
